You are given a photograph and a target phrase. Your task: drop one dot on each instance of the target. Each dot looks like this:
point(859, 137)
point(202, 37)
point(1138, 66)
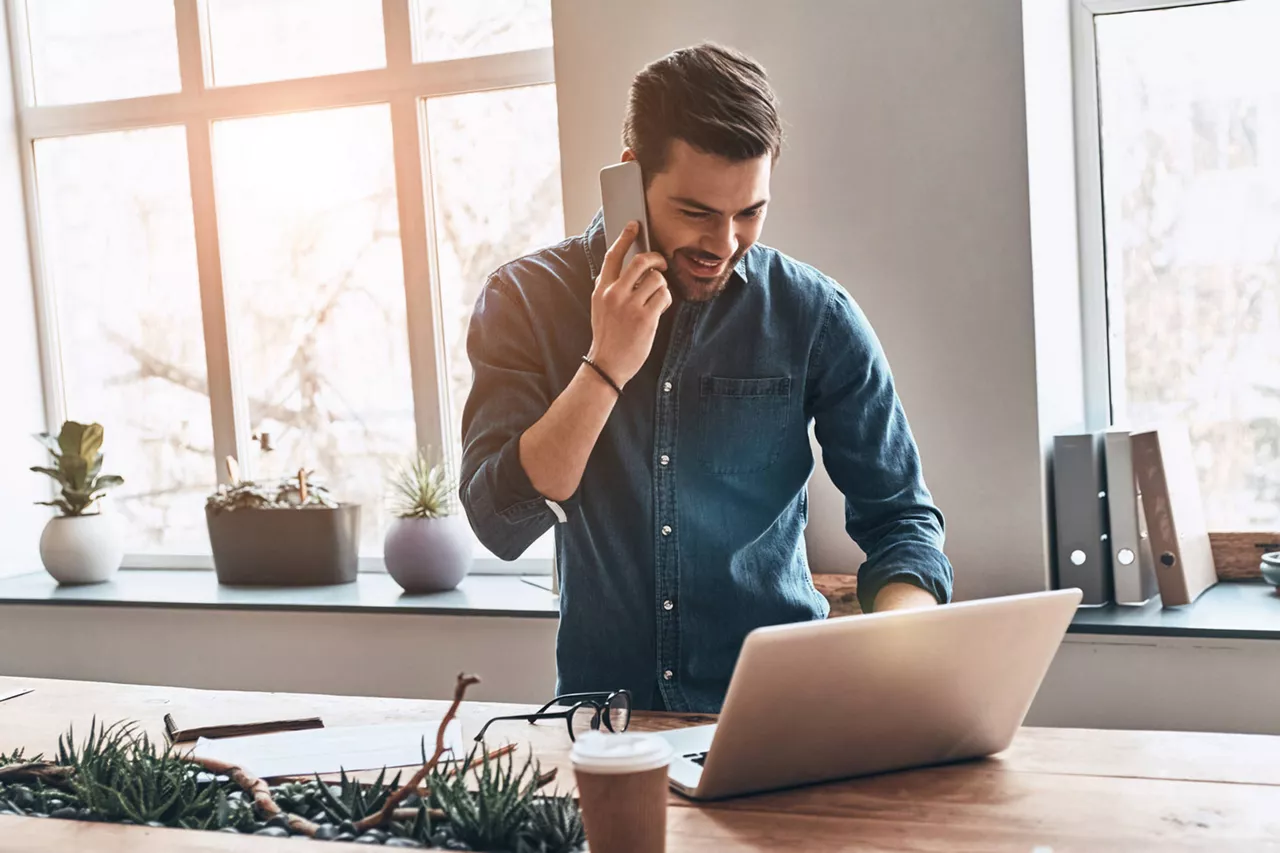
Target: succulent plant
point(422, 489)
point(117, 774)
point(77, 456)
point(296, 492)
point(489, 812)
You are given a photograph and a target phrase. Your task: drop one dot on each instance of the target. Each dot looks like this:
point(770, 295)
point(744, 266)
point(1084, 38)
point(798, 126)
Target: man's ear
point(627, 155)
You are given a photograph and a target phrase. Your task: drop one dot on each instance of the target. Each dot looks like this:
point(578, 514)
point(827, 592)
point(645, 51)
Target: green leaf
point(81, 440)
point(76, 471)
point(96, 467)
point(52, 472)
point(107, 481)
point(66, 508)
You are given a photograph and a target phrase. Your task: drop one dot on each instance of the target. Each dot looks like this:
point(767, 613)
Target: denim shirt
point(686, 531)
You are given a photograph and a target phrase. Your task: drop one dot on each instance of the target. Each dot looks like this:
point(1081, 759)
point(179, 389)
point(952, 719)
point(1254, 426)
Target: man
point(658, 414)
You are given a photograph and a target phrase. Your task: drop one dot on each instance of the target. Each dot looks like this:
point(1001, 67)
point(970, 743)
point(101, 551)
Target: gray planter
point(316, 546)
point(428, 554)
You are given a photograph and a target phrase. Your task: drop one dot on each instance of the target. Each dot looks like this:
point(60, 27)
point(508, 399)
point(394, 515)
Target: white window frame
point(402, 83)
point(1098, 408)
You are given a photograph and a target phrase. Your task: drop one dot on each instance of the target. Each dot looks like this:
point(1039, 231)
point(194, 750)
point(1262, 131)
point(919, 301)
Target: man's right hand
point(625, 308)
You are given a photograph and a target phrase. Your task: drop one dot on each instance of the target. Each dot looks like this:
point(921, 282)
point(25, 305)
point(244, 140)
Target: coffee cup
point(622, 788)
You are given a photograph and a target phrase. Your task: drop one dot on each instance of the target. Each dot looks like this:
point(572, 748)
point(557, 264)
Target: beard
point(691, 287)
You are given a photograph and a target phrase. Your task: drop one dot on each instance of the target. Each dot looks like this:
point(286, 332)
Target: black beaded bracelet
point(614, 385)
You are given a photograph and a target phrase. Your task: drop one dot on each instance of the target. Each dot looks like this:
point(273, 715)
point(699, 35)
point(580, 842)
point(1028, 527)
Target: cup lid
point(629, 752)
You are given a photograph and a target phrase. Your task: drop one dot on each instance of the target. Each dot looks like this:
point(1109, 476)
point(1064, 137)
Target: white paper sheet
point(14, 694)
point(329, 750)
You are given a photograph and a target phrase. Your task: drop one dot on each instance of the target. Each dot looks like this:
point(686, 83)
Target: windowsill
point(1235, 610)
point(477, 595)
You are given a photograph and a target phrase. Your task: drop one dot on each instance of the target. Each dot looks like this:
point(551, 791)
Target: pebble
point(344, 836)
point(348, 827)
point(367, 839)
point(326, 832)
point(273, 832)
point(379, 834)
point(155, 824)
point(65, 813)
point(280, 821)
point(404, 842)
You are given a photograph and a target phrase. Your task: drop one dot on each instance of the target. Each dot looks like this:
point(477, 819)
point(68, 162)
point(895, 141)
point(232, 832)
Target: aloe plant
point(422, 489)
point(491, 816)
point(116, 774)
point(77, 456)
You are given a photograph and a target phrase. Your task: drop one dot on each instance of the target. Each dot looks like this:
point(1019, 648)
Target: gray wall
point(905, 178)
point(20, 521)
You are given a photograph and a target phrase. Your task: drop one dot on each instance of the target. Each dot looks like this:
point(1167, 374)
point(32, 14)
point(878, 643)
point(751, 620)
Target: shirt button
point(667, 605)
point(668, 675)
point(666, 530)
point(666, 387)
point(665, 460)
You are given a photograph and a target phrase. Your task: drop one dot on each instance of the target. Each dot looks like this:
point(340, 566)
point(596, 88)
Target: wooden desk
point(1053, 790)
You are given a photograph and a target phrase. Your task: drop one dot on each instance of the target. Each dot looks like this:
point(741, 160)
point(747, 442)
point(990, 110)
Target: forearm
point(903, 596)
point(554, 451)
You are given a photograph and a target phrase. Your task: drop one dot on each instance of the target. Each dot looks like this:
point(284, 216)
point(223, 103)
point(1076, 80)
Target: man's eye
point(753, 214)
point(695, 214)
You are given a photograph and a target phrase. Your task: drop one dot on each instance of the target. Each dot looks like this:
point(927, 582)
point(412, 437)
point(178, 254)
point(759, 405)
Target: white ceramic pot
point(82, 548)
point(428, 554)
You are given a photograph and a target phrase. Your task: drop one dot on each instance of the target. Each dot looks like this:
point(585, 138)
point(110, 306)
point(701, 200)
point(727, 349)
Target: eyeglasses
point(611, 709)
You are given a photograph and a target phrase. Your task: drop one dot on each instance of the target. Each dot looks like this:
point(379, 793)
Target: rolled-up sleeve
point(871, 456)
point(509, 393)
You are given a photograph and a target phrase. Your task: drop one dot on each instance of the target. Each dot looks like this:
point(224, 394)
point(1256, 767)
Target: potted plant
point(286, 533)
point(81, 544)
point(428, 546)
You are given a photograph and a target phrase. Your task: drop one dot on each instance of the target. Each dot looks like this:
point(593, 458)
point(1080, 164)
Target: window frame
point(1099, 406)
point(403, 84)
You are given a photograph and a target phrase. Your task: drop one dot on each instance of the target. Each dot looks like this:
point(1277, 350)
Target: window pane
point(254, 41)
point(449, 29)
point(88, 50)
point(1190, 111)
point(495, 159)
point(311, 258)
point(119, 247)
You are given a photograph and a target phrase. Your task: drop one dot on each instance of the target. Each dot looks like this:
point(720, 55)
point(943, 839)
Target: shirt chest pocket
point(741, 423)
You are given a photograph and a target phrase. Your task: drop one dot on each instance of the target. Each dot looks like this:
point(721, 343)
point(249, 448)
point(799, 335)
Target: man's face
point(704, 213)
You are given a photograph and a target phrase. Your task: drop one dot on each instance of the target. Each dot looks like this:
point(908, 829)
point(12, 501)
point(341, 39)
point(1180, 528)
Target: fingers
point(613, 257)
point(661, 299)
point(640, 265)
point(648, 285)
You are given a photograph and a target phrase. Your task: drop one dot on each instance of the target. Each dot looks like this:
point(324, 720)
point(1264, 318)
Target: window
point(1187, 104)
point(262, 225)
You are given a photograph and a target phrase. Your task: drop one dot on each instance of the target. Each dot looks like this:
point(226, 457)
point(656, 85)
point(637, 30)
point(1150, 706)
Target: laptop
point(858, 695)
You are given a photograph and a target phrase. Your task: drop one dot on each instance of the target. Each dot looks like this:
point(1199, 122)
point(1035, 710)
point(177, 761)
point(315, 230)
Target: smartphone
point(622, 198)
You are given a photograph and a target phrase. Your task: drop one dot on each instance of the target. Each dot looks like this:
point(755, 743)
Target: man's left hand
point(903, 596)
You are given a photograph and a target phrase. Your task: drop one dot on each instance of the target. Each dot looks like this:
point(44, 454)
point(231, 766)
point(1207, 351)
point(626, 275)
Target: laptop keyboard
point(698, 758)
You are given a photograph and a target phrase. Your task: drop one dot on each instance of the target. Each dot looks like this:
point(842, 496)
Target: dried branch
point(37, 771)
point(259, 791)
point(410, 787)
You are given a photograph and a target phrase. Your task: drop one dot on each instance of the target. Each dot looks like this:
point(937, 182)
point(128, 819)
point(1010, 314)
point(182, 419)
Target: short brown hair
point(715, 98)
